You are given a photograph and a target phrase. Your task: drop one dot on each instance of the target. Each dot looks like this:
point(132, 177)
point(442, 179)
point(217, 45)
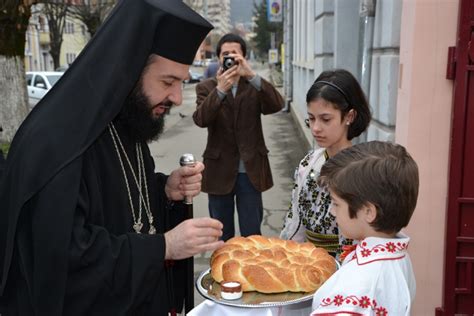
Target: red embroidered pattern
point(391, 247)
point(346, 250)
point(362, 302)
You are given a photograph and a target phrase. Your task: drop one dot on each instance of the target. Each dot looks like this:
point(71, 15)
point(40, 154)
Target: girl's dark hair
point(231, 38)
point(340, 88)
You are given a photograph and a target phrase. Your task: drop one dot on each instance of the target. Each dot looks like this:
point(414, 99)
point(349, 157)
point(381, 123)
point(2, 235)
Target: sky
point(241, 10)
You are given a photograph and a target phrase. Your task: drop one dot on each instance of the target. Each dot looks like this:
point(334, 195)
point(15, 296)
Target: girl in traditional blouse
point(338, 111)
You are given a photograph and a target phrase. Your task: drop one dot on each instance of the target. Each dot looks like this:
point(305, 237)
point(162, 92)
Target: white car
point(39, 83)
point(193, 77)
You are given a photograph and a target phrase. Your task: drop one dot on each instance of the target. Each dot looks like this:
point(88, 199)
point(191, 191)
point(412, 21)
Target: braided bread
point(272, 265)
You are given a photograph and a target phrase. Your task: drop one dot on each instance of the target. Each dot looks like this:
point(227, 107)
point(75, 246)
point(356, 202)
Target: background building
point(37, 55)
point(325, 34)
point(217, 12)
point(75, 38)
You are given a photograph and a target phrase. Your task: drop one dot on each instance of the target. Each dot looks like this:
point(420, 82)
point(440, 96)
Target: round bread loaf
point(272, 265)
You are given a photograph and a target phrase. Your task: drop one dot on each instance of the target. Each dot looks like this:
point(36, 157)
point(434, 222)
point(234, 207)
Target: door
point(38, 89)
point(40, 86)
point(458, 292)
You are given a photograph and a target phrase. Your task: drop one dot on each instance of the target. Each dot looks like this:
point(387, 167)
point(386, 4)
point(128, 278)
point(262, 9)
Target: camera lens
point(228, 62)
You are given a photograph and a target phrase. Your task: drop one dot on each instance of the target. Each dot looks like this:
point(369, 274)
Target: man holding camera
point(236, 158)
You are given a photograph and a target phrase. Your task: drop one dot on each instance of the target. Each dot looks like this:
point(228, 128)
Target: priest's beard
point(138, 119)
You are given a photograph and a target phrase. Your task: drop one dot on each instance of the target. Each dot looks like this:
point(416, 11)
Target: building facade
point(75, 38)
point(217, 12)
point(325, 34)
point(37, 55)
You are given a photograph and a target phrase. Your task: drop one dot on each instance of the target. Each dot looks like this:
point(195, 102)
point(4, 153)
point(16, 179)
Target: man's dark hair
point(340, 88)
point(381, 173)
point(231, 38)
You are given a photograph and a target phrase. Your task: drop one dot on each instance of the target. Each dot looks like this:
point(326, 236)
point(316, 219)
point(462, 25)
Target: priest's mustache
point(167, 104)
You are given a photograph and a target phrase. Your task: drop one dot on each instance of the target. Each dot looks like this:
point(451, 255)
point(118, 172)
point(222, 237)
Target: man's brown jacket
point(235, 132)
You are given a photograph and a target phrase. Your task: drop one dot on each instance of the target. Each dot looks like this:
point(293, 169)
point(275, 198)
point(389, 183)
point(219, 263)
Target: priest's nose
point(176, 95)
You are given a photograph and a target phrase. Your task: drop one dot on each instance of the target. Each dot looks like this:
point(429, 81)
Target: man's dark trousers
point(249, 208)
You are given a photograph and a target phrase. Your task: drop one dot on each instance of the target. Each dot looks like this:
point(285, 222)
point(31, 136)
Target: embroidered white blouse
point(375, 279)
point(307, 199)
point(308, 217)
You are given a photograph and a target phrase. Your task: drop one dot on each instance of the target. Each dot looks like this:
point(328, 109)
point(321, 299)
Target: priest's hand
point(193, 236)
point(184, 181)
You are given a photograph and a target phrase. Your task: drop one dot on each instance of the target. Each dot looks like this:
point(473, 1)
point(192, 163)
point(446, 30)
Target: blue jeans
point(249, 208)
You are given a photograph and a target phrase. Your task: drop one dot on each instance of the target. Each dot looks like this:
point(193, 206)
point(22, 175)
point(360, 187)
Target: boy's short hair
point(381, 173)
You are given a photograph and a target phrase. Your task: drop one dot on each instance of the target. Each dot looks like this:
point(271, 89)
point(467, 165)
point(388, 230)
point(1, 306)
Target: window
point(53, 79)
point(70, 58)
point(42, 24)
point(38, 81)
point(69, 28)
point(28, 79)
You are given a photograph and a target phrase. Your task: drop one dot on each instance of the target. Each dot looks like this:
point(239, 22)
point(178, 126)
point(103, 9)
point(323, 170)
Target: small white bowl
point(231, 290)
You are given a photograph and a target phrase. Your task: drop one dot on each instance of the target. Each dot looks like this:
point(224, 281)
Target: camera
point(228, 62)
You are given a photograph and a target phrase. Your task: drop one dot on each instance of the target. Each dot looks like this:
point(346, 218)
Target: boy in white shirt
point(374, 188)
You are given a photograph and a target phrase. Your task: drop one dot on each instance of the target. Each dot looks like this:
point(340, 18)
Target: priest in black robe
point(2, 159)
point(86, 225)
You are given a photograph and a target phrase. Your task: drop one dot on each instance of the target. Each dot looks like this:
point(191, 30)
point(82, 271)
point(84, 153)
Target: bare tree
point(91, 12)
point(55, 12)
point(14, 17)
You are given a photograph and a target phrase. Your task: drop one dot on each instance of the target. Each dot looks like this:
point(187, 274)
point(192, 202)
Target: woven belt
point(330, 242)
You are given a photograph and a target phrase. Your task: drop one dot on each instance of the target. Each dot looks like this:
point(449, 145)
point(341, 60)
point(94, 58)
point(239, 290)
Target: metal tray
point(210, 289)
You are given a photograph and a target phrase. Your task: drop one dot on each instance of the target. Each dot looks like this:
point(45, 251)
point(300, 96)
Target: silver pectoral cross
point(138, 227)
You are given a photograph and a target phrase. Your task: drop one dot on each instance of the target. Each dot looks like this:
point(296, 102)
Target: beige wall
point(424, 105)
point(73, 43)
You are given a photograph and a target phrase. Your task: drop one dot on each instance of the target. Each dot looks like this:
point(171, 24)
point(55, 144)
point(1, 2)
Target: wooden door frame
point(460, 68)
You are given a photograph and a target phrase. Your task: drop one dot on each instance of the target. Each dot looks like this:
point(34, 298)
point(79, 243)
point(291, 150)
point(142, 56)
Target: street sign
point(272, 56)
point(282, 57)
point(274, 10)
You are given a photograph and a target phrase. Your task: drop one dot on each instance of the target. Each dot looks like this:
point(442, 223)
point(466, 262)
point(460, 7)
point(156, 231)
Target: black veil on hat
point(89, 95)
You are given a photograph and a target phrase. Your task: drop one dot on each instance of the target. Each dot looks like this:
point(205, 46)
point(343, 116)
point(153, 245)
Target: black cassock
point(67, 246)
point(2, 163)
point(105, 268)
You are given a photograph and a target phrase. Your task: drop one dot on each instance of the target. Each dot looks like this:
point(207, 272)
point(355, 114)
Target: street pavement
point(181, 136)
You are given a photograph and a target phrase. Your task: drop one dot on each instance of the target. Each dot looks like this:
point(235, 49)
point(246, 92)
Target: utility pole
point(366, 37)
point(288, 58)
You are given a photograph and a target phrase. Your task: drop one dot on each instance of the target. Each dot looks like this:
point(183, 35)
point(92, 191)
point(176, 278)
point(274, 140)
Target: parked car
point(197, 63)
point(206, 62)
point(194, 77)
point(39, 83)
point(62, 68)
